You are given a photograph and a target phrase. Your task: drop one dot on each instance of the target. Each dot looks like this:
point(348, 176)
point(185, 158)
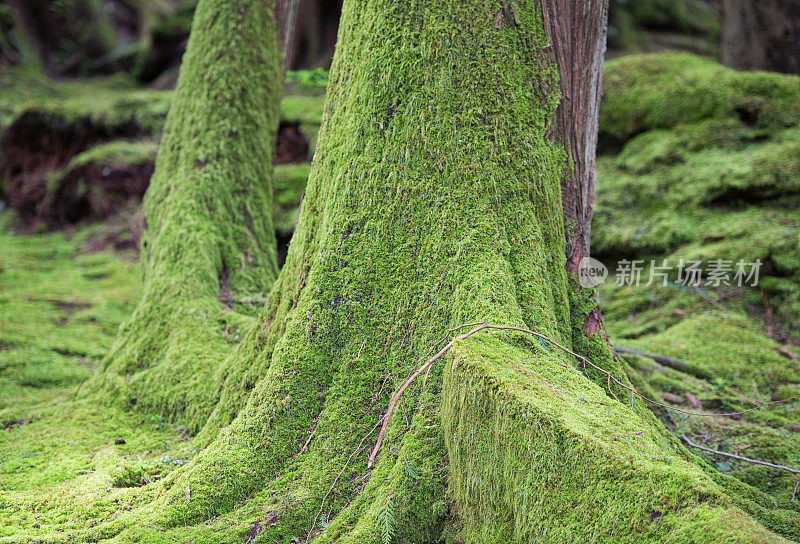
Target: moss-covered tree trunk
point(209, 244)
point(435, 200)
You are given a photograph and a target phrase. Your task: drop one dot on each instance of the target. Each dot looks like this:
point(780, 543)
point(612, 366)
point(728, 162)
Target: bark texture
point(762, 35)
point(577, 32)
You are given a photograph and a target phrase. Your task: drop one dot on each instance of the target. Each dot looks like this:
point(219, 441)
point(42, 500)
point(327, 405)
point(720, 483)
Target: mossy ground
point(60, 310)
point(699, 162)
point(89, 294)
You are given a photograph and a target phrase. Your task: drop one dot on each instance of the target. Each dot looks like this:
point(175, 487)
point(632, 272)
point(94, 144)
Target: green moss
point(662, 91)
point(106, 110)
point(434, 200)
point(304, 108)
point(209, 245)
point(556, 468)
point(731, 365)
point(705, 166)
point(117, 154)
point(290, 183)
point(61, 308)
point(700, 163)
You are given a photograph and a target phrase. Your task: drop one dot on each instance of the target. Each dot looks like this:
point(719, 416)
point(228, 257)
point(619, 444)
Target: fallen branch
point(480, 326)
point(674, 364)
point(738, 457)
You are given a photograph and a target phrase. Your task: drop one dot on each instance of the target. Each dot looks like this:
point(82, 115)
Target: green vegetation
point(290, 183)
point(510, 439)
point(61, 308)
point(700, 163)
point(208, 239)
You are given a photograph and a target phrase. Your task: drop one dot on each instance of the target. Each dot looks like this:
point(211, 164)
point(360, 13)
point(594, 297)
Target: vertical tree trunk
point(762, 35)
point(577, 32)
point(286, 15)
point(208, 241)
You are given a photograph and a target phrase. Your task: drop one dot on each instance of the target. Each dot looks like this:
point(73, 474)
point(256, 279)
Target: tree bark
point(577, 32)
point(762, 35)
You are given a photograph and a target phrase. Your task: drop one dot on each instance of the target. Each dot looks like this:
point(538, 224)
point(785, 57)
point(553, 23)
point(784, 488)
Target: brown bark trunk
point(577, 32)
point(286, 11)
point(315, 33)
point(762, 35)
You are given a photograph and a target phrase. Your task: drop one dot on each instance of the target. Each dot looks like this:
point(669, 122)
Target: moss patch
point(701, 163)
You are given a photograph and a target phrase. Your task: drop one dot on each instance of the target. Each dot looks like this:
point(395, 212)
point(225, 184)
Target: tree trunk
point(208, 244)
point(762, 35)
point(577, 32)
point(435, 200)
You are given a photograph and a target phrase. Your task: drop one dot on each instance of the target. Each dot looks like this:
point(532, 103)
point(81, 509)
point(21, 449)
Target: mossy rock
point(699, 162)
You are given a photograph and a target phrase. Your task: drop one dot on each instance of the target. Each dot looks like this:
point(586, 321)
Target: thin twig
point(310, 436)
point(483, 326)
point(739, 457)
point(794, 493)
point(408, 381)
point(491, 431)
point(322, 504)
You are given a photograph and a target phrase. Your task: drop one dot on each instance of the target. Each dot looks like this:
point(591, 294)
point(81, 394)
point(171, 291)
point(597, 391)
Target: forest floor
point(62, 302)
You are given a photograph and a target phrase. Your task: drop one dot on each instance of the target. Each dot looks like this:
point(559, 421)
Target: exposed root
point(485, 326)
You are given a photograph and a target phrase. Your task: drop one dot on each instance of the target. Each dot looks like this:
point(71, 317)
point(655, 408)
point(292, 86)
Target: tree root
point(669, 362)
point(480, 326)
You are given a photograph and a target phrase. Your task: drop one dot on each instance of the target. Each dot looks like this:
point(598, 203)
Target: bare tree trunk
point(286, 12)
point(762, 35)
point(577, 32)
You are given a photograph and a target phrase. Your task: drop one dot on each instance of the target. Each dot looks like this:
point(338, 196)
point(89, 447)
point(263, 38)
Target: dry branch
point(738, 457)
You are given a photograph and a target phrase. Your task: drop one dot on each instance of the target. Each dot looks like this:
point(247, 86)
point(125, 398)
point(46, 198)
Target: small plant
point(385, 522)
point(545, 345)
point(410, 470)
